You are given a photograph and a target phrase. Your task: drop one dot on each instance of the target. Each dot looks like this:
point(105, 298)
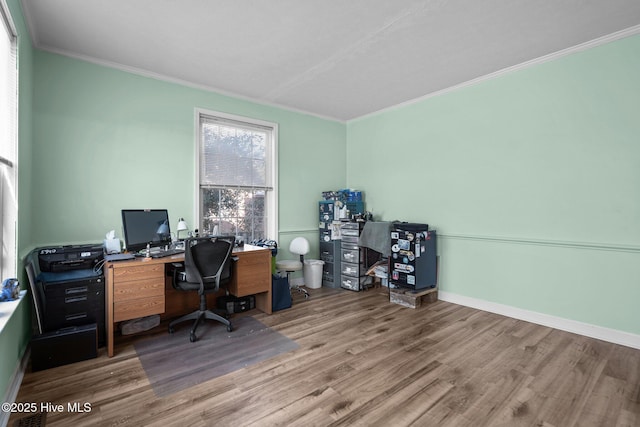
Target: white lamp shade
point(182, 225)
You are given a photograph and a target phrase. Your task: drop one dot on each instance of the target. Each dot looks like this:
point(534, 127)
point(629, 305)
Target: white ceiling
point(340, 59)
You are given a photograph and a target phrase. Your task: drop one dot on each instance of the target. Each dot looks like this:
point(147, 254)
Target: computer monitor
point(144, 227)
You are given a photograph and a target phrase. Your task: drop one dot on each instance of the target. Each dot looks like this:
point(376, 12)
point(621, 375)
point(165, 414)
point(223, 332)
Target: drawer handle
point(75, 299)
point(76, 290)
point(76, 316)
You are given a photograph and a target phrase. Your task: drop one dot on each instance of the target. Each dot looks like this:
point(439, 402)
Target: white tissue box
point(112, 246)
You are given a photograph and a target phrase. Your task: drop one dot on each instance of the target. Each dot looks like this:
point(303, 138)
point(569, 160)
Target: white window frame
point(271, 197)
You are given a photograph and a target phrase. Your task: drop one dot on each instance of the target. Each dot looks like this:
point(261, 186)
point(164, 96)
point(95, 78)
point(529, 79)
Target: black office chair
point(207, 266)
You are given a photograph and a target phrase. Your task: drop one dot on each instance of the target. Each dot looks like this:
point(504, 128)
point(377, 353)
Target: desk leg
point(263, 301)
point(109, 310)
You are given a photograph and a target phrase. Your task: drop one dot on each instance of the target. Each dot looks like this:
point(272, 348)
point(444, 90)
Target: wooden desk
point(141, 287)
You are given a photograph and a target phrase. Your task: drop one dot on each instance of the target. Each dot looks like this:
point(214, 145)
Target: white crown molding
point(593, 331)
point(628, 32)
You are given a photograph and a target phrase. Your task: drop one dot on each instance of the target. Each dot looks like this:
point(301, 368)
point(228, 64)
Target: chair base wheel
point(229, 328)
point(170, 330)
point(192, 337)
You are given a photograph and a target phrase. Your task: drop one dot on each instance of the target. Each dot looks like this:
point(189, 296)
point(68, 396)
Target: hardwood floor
point(365, 361)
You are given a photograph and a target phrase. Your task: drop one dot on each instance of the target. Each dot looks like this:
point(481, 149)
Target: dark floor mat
point(173, 363)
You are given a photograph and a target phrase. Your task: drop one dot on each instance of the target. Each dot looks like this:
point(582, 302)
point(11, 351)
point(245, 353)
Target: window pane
point(234, 211)
point(8, 146)
point(233, 156)
point(259, 147)
point(235, 177)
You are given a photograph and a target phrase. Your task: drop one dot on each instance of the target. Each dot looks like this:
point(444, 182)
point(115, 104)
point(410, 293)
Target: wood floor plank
point(364, 361)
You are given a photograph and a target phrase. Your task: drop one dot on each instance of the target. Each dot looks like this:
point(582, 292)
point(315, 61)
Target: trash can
point(312, 272)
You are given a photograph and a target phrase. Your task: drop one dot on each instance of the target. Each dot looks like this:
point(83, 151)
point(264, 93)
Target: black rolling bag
point(280, 293)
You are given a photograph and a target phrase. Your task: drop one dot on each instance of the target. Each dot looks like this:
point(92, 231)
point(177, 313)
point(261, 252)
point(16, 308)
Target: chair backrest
point(299, 246)
point(209, 259)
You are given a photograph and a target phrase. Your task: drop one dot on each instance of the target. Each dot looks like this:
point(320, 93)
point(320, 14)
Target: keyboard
point(168, 252)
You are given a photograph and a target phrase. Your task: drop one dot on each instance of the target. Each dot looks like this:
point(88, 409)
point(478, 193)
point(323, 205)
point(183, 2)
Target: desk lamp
point(182, 226)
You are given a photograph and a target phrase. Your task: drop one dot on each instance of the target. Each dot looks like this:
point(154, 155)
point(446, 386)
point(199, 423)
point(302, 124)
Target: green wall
point(15, 336)
point(95, 140)
point(531, 179)
point(105, 140)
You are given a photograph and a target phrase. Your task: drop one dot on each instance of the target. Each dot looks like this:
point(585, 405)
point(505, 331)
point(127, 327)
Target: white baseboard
point(14, 386)
point(605, 334)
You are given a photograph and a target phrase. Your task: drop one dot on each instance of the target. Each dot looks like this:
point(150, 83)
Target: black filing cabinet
point(75, 303)
point(413, 263)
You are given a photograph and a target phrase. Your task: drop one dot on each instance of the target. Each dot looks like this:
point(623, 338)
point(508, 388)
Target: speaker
point(64, 346)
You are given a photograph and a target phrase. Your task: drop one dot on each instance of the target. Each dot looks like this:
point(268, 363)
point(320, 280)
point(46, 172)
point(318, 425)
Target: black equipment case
point(232, 304)
point(64, 346)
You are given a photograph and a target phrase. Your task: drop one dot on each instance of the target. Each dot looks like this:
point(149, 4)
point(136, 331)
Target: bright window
point(236, 174)
point(8, 145)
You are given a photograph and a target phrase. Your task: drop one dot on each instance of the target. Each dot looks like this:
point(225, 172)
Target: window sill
point(7, 308)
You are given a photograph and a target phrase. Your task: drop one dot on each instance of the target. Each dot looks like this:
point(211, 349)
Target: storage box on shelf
point(341, 269)
point(353, 270)
point(329, 247)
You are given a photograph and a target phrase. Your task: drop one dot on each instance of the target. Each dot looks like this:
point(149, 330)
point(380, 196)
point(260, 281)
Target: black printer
point(57, 259)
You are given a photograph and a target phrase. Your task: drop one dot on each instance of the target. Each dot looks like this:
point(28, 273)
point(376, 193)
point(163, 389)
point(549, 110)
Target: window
point(8, 144)
point(236, 175)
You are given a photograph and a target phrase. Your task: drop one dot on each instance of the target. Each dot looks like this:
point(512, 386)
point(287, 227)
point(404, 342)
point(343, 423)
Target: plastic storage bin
point(139, 325)
point(312, 272)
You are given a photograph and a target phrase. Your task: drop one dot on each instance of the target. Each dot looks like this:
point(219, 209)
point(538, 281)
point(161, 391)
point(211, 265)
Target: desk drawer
point(351, 255)
point(252, 273)
point(132, 309)
point(251, 281)
point(248, 259)
point(145, 288)
point(352, 270)
point(138, 272)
